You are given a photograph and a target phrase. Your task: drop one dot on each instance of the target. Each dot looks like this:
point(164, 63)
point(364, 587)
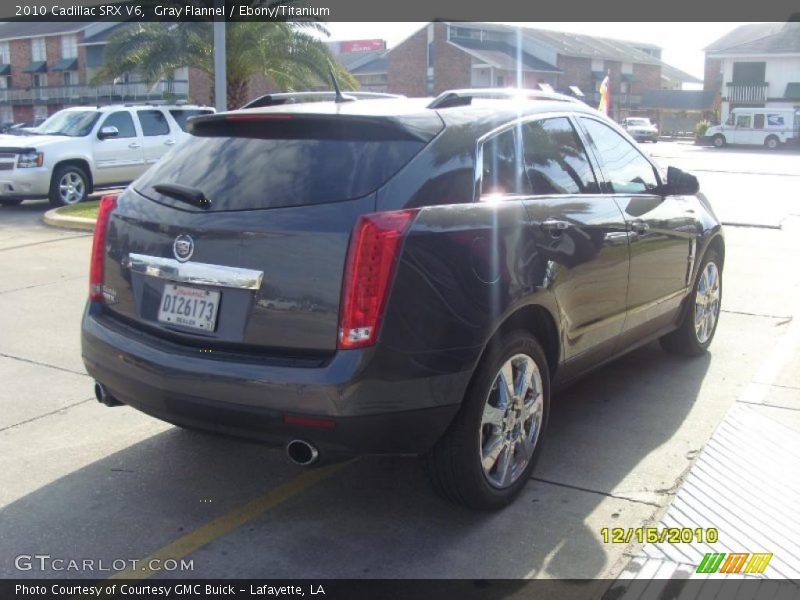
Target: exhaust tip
point(103, 397)
point(302, 453)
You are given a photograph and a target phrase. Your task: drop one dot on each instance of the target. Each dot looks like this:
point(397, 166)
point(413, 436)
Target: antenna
point(339, 96)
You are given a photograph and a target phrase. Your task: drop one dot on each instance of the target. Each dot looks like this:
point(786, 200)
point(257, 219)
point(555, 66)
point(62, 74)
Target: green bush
point(701, 128)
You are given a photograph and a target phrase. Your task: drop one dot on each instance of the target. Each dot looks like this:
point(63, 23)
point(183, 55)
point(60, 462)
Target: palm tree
point(285, 53)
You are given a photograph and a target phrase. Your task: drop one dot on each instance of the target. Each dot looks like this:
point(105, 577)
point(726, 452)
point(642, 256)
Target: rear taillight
point(96, 275)
point(374, 249)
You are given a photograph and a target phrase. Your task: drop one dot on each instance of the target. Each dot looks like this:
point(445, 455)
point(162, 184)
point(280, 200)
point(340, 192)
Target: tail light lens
point(374, 249)
point(96, 275)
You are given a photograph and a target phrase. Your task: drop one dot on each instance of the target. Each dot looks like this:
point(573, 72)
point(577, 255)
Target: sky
point(682, 43)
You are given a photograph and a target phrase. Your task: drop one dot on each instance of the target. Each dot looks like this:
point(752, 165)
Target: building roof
point(354, 60)
point(675, 74)
point(759, 38)
point(376, 64)
point(679, 99)
point(589, 46)
point(19, 29)
point(502, 55)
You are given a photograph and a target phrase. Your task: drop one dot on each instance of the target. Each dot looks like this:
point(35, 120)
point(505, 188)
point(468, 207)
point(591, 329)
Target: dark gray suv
point(395, 276)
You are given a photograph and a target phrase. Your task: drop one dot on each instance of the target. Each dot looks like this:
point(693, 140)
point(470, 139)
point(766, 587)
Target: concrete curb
point(53, 219)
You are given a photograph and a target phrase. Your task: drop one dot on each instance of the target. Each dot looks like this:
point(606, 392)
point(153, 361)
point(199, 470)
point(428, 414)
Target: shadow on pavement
point(377, 517)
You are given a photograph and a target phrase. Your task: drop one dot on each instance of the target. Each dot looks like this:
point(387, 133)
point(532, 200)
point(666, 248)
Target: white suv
point(82, 148)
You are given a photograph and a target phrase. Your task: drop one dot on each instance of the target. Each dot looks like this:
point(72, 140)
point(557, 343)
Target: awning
point(66, 64)
point(599, 75)
point(792, 91)
point(37, 66)
point(5, 69)
point(628, 77)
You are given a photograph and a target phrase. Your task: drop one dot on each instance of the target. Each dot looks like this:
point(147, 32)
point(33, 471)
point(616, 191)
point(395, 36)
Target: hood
point(32, 141)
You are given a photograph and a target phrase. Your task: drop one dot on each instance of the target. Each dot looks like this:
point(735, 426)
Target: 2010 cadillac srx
point(395, 276)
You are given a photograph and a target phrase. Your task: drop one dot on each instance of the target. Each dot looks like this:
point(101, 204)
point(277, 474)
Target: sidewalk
point(745, 483)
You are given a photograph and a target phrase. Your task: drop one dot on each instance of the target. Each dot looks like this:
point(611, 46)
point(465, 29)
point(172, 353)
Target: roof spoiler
point(453, 98)
point(296, 97)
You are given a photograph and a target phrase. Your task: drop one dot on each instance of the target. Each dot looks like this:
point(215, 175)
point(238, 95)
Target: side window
point(153, 122)
point(123, 122)
point(758, 121)
point(627, 170)
point(502, 168)
point(555, 160)
point(743, 121)
point(181, 115)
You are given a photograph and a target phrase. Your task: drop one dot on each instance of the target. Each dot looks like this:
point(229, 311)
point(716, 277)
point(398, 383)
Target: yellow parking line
point(220, 526)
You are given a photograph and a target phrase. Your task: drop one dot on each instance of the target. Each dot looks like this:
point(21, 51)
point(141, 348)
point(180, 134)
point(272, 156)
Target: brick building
point(45, 67)
point(443, 56)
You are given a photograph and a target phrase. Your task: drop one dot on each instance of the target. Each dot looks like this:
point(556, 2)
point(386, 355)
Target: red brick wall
point(23, 113)
point(452, 68)
point(20, 58)
point(648, 77)
point(576, 71)
point(201, 88)
point(711, 71)
point(407, 65)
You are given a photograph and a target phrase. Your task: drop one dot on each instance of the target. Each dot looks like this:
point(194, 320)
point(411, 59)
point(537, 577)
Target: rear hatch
point(237, 239)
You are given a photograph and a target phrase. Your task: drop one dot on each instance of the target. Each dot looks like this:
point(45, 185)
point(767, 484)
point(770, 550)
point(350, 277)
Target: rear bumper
point(372, 405)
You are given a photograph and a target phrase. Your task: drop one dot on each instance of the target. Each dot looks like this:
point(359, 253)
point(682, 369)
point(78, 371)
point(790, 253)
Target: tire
point(486, 420)
point(69, 185)
point(772, 142)
point(10, 201)
point(719, 141)
point(688, 340)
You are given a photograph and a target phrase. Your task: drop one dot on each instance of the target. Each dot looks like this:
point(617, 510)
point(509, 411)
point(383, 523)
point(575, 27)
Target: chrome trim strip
point(194, 272)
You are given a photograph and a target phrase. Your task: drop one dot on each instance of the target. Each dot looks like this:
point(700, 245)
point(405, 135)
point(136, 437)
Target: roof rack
point(453, 98)
point(295, 97)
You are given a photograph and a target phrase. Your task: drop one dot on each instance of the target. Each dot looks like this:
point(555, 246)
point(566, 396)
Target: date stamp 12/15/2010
point(656, 535)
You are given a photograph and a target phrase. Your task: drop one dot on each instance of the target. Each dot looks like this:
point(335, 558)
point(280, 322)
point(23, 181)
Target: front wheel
point(699, 324)
point(719, 141)
point(68, 186)
point(485, 458)
point(772, 142)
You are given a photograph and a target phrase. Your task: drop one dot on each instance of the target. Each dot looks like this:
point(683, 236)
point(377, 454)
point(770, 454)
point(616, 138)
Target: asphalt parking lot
point(81, 481)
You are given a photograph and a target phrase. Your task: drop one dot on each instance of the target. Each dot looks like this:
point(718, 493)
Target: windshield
point(639, 122)
point(69, 122)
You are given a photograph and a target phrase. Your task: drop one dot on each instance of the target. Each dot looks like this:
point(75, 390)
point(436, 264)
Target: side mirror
point(109, 131)
point(680, 183)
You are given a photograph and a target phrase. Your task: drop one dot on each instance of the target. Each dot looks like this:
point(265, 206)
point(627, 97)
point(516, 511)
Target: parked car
point(640, 129)
point(21, 128)
point(467, 256)
point(81, 149)
point(768, 127)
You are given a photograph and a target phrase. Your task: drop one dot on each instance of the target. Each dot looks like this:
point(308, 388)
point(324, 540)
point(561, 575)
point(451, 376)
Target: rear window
point(243, 173)
point(181, 115)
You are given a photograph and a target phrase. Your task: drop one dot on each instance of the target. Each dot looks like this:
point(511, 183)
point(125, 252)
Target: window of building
point(5, 53)
point(597, 64)
point(38, 49)
point(123, 122)
point(69, 46)
point(5, 83)
point(39, 80)
point(627, 68)
point(502, 167)
point(430, 54)
point(501, 81)
point(555, 160)
point(626, 169)
point(68, 78)
point(153, 122)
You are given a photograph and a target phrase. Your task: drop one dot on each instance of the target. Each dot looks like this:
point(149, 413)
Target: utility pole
point(220, 73)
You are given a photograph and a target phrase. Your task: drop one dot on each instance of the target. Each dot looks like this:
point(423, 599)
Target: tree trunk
point(237, 93)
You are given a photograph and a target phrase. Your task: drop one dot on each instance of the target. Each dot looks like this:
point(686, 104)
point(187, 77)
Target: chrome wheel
point(706, 305)
point(512, 421)
point(71, 188)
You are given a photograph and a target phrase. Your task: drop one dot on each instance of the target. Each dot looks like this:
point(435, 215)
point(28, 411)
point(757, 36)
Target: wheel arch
point(77, 162)
point(539, 322)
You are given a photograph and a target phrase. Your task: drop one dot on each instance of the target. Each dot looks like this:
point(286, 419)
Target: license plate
point(189, 307)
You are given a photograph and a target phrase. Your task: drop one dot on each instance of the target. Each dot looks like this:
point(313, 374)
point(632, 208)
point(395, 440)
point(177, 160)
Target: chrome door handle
point(169, 143)
point(555, 225)
point(134, 145)
point(639, 226)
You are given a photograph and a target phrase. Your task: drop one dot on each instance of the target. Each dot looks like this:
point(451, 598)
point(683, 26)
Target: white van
point(769, 127)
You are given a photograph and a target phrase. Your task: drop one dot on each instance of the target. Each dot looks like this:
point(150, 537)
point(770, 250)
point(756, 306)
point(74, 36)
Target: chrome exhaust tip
point(302, 453)
point(103, 397)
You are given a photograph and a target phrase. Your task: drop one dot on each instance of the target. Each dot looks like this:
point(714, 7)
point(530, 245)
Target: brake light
point(258, 117)
point(374, 249)
point(96, 275)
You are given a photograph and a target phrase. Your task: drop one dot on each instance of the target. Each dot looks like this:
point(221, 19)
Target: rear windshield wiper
point(184, 194)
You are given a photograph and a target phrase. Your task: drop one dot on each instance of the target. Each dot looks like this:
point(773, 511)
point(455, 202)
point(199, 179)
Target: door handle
point(639, 226)
point(555, 225)
point(169, 143)
point(134, 145)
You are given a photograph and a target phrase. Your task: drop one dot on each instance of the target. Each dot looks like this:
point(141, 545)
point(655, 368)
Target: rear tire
point(772, 142)
point(701, 315)
point(10, 201)
point(719, 141)
point(69, 185)
point(487, 455)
